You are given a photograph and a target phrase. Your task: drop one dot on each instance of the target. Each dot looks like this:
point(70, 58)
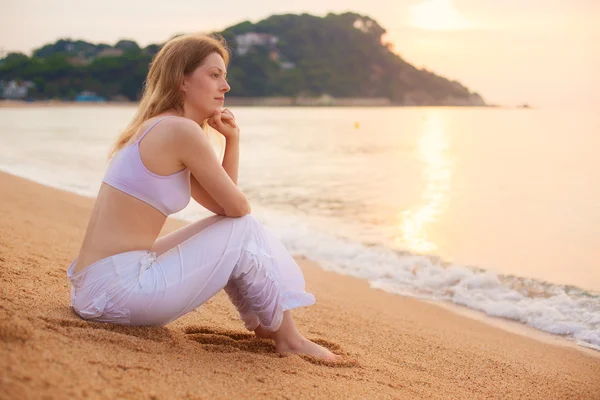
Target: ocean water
point(497, 210)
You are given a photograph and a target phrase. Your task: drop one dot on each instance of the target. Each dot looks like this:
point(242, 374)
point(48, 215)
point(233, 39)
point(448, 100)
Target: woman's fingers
point(227, 111)
point(228, 121)
point(227, 117)
point(221, 119)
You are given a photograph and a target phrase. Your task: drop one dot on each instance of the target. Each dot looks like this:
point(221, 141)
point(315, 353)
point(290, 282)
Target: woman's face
point(205, 88)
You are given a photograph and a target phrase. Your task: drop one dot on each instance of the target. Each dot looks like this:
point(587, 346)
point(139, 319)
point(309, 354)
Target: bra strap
point(152, 126)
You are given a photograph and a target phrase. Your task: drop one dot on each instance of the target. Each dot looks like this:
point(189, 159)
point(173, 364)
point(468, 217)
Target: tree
point(343, 55)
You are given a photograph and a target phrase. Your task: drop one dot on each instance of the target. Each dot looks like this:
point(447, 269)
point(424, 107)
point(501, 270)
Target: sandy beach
point(392, 346)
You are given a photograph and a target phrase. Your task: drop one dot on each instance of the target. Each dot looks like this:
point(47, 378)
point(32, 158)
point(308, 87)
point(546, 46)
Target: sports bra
point(126, 172)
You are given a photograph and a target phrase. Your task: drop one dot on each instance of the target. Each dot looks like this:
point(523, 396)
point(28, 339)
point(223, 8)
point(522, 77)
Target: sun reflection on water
point(433, 151)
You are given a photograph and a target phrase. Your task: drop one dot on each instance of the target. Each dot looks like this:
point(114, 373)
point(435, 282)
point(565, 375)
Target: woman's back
point(143, 184)
point(127, 172)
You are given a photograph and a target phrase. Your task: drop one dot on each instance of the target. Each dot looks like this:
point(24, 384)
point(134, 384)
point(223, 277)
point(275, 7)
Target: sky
point(542, 52)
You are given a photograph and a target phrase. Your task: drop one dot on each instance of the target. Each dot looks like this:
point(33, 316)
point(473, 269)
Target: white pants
point(236, 254)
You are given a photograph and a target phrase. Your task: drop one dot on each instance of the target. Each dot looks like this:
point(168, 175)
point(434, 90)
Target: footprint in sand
point(225, 341)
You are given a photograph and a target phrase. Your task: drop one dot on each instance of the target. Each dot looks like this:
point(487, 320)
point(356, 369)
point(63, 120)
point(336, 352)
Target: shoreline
point(506, 324)
point(236, 102)
point(394, 346)
point(517, 328)
point(497, 322)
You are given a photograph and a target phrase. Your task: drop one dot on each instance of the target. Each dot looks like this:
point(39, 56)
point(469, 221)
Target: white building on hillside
point(246, 41)
point(15, 89)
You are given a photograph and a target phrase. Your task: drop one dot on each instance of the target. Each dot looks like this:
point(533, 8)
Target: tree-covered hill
point(339, 55)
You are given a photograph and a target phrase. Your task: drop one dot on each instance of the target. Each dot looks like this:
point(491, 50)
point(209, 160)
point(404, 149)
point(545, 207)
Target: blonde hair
point(178, 57)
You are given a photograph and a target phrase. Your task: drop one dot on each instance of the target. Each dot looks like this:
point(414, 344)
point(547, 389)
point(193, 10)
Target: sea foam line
point(557, 309)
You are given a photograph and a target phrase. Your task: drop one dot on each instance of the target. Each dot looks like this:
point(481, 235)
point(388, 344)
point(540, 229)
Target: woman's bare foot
point(305, 346)
point(289, 340)
point(262, 333)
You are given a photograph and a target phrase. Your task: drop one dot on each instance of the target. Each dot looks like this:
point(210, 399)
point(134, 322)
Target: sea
point(492, 209)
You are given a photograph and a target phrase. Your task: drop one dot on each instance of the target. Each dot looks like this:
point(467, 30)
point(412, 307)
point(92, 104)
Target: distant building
point(110, 52)
point(287, 65)
point(246, 41)
point(15, 89)
point(79, 60)
point(87, 96)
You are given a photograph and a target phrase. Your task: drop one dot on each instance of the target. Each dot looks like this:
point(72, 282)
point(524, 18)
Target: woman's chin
point(212, 109)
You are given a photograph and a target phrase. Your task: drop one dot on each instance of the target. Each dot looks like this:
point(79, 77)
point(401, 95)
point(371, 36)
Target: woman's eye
point(215, 75)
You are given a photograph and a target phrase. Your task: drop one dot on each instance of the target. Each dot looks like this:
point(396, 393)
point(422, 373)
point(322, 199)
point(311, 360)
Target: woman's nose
point(226, 88)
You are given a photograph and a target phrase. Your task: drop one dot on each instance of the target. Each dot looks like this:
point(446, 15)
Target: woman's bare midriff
point(119, 223)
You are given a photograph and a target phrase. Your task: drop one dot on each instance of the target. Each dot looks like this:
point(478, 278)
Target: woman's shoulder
point(169, 120)
point(182, 130)
point(177, 123)
point(172, 126)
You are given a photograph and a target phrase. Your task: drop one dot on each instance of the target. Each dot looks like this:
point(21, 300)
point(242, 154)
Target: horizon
point(501, 51)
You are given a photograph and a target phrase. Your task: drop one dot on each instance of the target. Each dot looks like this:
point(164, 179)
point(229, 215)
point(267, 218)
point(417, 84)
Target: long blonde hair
point(178, 57)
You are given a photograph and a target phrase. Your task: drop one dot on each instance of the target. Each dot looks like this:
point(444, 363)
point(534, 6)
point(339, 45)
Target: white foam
point(550, 308)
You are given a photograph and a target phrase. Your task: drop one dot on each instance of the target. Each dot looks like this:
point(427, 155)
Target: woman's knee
point(249, 218)
point(249, 223)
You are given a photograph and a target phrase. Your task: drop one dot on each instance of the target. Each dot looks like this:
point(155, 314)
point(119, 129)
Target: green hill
point(339, 55)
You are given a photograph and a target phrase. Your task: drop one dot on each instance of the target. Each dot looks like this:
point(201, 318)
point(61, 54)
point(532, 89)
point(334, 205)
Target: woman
point(124, 273)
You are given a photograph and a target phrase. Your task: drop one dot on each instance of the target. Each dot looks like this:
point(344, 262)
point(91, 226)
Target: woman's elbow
point(240, 210)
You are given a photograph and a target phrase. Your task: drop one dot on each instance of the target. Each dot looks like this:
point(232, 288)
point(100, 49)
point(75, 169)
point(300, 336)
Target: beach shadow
point(227, 341)
point(153, 333)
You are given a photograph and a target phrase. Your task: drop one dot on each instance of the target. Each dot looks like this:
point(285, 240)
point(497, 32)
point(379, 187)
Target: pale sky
point(544, 52)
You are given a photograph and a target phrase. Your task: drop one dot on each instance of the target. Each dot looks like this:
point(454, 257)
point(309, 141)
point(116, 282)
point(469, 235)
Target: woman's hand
point(223, 121)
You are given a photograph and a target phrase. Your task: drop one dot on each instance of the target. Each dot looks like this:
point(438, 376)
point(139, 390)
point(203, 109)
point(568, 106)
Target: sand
point(392, 346)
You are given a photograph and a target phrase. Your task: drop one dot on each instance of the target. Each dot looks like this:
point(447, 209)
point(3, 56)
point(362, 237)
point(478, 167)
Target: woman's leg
point(169, 241)
point(287, 337)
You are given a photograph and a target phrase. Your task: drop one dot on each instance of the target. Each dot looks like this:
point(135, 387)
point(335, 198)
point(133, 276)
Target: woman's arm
point(195, 152)
point(230, 163)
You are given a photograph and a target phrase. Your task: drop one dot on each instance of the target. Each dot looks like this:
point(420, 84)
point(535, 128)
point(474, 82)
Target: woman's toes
point(307, 347)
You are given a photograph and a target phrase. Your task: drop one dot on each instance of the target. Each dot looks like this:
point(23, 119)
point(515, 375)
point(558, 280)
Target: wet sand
point(392, 346)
